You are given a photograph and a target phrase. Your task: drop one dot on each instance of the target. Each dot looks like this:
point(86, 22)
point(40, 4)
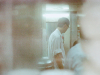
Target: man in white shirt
point(55, 44)
point(75, 59)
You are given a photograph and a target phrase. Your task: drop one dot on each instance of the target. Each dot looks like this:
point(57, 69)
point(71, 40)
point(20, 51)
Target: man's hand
point(58, 57)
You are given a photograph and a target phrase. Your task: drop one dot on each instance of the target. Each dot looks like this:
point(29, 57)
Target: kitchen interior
point(25, 27)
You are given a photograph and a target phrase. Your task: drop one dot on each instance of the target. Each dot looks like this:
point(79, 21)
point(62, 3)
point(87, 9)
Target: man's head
point(75, 43)
point(63, 24)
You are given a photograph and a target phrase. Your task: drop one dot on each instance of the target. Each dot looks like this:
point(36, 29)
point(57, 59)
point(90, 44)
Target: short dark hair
point(62, 21)
point(75, 43)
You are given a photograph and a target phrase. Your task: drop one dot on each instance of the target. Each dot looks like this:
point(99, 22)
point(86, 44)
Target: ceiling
point(57, 7)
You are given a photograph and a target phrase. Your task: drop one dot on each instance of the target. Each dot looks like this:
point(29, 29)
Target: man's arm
point(58, 58)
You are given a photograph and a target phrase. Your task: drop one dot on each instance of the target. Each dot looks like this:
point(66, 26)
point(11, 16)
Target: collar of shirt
point(58, 32)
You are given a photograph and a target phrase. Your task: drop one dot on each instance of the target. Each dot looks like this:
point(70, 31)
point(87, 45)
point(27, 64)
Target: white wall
point(67, 40)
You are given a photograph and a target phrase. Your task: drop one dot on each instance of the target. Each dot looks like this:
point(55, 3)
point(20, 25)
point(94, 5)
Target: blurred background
point(25, 27)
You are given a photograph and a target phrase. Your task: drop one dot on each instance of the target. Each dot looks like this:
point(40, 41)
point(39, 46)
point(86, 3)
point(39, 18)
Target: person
point(25, 71)
point(75, 58)
point(75, 43)
point(55, 43)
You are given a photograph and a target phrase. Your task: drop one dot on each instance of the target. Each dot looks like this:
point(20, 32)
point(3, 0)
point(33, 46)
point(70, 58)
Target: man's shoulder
point(55, 35)
point(77, 46)
point(76, 50)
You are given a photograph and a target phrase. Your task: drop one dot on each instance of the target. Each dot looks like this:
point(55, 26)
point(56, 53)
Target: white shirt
point(75, 58)
point(55, 45)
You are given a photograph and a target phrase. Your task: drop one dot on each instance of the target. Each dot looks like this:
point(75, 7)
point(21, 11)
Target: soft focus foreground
point(36, 72)
point(21, 38)
point(90, 26)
